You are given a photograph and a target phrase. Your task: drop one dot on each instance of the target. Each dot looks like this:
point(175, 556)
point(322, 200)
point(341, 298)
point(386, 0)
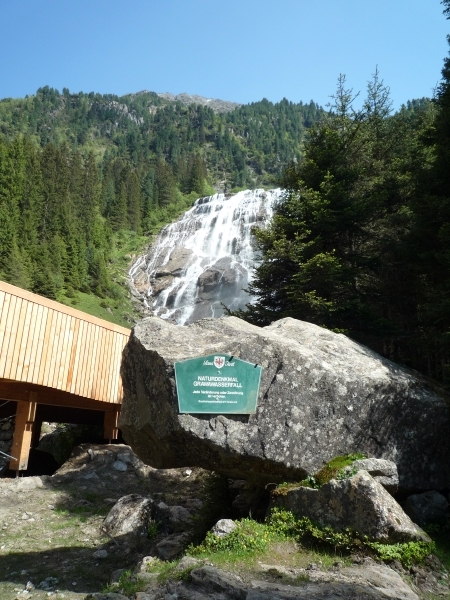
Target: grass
point(250, 539)
point(128, 584)
point(122, 312)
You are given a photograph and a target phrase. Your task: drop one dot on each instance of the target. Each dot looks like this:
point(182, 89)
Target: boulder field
point(321, 395)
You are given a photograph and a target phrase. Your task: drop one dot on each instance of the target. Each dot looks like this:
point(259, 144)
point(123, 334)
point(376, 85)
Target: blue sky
point(240, 50)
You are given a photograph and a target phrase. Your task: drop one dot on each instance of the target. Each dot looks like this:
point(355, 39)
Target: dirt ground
point(50, 526)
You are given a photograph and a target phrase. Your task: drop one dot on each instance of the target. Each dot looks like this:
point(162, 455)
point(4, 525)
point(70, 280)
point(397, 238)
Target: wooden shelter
point(56, 359)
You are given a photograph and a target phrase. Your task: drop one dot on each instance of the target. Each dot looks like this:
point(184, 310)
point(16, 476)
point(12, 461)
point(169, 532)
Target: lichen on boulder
point(321, 395)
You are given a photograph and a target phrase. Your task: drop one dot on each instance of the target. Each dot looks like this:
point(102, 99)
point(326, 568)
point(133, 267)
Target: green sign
point(217, 384)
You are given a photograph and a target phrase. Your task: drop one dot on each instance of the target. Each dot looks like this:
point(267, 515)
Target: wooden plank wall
point(47, 343)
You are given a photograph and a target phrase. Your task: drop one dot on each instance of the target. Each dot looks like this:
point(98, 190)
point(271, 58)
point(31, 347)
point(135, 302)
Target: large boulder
point(358, 502)
point(321, 395)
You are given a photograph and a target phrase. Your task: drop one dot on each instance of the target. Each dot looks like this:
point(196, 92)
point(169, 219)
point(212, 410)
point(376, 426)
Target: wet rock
point(429, 507)
point(321, 395)
point(176, 265)
point(359, 503)
point(129, 518)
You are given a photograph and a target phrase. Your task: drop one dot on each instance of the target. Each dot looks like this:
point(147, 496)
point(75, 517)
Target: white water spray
point(206, 257)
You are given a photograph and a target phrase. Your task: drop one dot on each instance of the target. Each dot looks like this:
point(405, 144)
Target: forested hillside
point(82, 176)
point(242, 147)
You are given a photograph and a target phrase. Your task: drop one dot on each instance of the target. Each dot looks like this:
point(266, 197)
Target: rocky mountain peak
point(218, 106)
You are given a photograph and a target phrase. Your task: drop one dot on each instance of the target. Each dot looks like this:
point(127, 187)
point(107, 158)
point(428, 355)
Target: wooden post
point(25, 415)
point(110, 428)
point(37, 428)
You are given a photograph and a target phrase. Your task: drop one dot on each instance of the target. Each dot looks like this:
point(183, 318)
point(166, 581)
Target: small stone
point(127, 457)
point(179, 514)
point(187, 562)
point(116, 575)
point(145, 563)
point(223, 527)
point(171, 546)
point(130, 516)
point(187, 472)
point(30, 586)
point(100, 554)
point(119, 466)
point(74, 583)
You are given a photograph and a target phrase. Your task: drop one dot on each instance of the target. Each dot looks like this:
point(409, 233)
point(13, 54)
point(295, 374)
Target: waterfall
point(205, 258)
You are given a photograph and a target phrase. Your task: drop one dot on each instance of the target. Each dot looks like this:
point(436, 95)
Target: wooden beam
point(25, 415)
point(19, 391)
point(110, 428)
point(64, 414)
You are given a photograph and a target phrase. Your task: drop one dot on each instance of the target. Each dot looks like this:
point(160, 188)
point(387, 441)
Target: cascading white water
point(206, 257)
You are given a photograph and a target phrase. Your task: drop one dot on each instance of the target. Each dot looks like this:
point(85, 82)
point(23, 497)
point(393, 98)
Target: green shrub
point(302, 529)
point(152, 530)
point(249, 536)
point(407, 553)
point(252, 537)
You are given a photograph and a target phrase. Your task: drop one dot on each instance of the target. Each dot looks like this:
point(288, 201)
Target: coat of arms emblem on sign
point(219, 361)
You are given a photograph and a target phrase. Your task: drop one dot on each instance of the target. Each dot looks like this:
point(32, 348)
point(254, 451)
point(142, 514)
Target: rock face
point(321, 395)
point(366, 582)
point(359, 502)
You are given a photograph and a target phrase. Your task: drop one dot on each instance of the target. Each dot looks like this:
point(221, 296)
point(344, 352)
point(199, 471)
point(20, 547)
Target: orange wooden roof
point(49, 344)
